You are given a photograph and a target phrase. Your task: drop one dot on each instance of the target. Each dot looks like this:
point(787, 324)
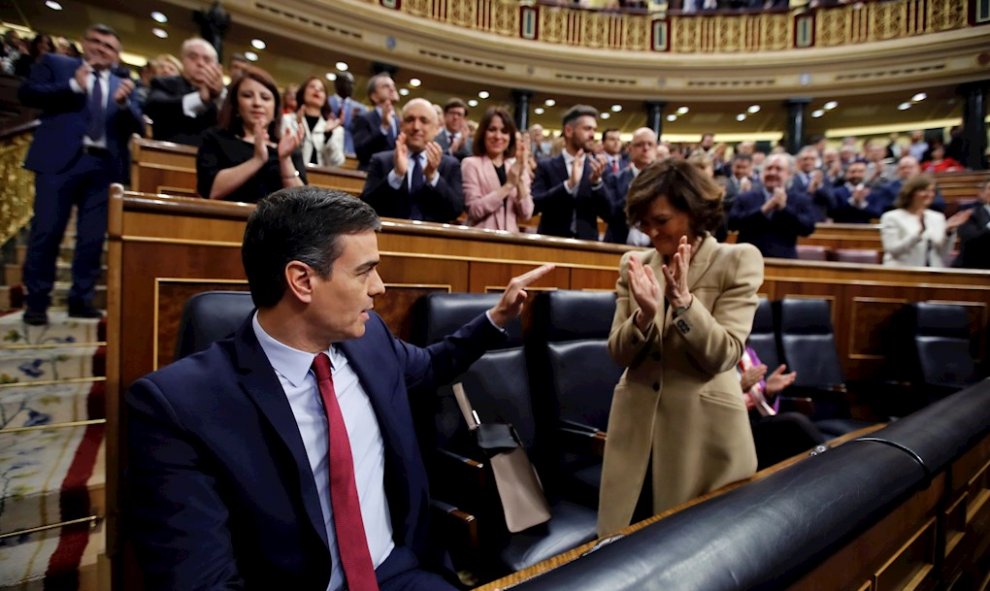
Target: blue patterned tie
point(97, 115)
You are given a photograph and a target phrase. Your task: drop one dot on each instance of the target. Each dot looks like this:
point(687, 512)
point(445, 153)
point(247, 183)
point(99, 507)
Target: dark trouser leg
point(91, 229)
point(52, 206)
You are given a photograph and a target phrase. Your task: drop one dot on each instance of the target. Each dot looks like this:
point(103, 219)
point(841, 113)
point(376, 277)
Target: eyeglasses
point(104, 44)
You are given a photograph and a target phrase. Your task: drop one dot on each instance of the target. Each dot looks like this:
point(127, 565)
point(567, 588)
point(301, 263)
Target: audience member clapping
point(322, 134)
point(937, 161)
point(913, 235)
point(642, 153)
point(246, 157)
point(376, 130)
point(497, 178)
point(416, 180)
point(974, 234)
point(455, 137)
point(182, 107)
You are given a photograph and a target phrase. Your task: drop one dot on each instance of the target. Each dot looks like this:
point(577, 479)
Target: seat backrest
point(942, 343)
point(211, 316)
point(808, 342)
point(440, 314)
point(570, 342)
point(763, 337)
point(858, 255)
point(812, 252)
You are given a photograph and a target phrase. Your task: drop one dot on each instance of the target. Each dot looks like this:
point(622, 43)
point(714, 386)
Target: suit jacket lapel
point(258, 380)
point(701, 260)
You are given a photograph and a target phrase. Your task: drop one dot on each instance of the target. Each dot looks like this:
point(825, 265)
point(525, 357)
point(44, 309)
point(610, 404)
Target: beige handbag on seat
point(519, 487)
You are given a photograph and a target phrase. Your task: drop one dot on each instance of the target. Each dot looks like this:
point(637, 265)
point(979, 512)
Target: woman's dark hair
point(298, 224)
point(301, 94)
point(478, 145)
point(230, 119)
point(685, 186)
point(910, 187)
point(34, 49)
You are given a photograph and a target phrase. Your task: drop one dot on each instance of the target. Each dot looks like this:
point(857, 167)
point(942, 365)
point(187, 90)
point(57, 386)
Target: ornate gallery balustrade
point(701, 33)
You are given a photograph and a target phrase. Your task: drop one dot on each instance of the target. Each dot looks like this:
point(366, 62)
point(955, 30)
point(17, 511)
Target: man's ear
point(299, 280)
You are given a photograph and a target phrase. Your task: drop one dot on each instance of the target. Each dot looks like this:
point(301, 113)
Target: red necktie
point(352, 544)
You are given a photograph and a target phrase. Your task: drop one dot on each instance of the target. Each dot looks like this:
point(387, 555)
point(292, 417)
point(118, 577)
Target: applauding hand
point(645, 290)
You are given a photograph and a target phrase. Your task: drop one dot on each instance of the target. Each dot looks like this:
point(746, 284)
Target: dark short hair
point(301, 93)
point(746, 157)
point(910, 187)
point(298, 224)
point(454, 103)
point(686, 187)
point(478, 145)
point(103, 30)
point(578, 111)
point(230, 119)
point(608, 131)
point(373, 82)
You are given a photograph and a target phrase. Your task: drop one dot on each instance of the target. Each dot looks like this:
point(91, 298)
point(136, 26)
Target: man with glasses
point(78, 150)
point(455, 137)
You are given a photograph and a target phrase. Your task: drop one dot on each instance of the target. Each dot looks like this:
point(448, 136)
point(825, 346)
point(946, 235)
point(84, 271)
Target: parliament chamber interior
point(843, 142)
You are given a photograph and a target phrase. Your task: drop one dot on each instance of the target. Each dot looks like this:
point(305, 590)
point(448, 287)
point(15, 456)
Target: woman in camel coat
point(678, 427)
point(496, 179)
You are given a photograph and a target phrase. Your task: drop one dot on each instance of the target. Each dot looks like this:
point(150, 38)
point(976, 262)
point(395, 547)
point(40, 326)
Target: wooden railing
point(168, 168)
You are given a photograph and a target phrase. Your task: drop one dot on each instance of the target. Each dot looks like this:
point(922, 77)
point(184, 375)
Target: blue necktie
point(97, 115)
point(416, 183)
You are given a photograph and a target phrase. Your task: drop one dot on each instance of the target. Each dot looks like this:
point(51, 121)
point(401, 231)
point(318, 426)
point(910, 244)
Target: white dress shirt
point(292, 367)
point(104, 80)
point(395, 181)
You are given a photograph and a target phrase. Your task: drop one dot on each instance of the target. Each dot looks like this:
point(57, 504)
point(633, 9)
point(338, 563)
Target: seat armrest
point(462, 525)
point(459, 479)
point(582, 439)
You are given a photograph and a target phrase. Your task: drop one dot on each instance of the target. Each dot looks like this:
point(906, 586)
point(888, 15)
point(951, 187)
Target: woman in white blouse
point(912, 234)
point(323, 142)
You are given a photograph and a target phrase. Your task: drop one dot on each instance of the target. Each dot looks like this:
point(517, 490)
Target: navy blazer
point(220, 493)
point(618, 227)
point(558, 208)
point(369, 140)
point(822, 200)
point(347, 115)
point(974, 240)
point(442, 203)
point(65, 118)
point(775, 235)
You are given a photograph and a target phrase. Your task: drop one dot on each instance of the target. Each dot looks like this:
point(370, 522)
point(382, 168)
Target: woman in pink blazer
point(496, 179)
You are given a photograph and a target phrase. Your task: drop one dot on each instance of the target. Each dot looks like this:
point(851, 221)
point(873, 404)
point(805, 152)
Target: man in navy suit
point(569, 191)
point(78, 150)
point(642, 153)
point(376, 130)
point(811, 181)
point(285, 456)
point(416, 180)
point(344, 107)
point(772, 218)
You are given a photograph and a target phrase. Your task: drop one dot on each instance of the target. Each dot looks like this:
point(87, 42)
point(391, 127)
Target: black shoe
point(35, 317)
point(84, 311)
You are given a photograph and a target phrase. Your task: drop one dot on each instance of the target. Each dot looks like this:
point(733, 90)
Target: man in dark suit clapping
point(642, 153)
point(183, 107)
point(78, 150)
point(569, 191)
point(375, 131)
point(416, 180)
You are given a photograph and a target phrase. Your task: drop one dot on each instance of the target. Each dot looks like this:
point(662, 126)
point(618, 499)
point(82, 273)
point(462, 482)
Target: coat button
point(656, 386)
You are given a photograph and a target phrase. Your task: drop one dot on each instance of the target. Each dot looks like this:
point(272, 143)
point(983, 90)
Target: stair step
point(48, 364)
point(27, 405)
point(63, 558)
point(52, 475)
point(64, 253)
point(60, 330)
point(12, 273)
point(12, 296)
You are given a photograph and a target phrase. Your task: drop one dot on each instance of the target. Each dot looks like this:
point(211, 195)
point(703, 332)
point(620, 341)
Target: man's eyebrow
point(367, 266)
